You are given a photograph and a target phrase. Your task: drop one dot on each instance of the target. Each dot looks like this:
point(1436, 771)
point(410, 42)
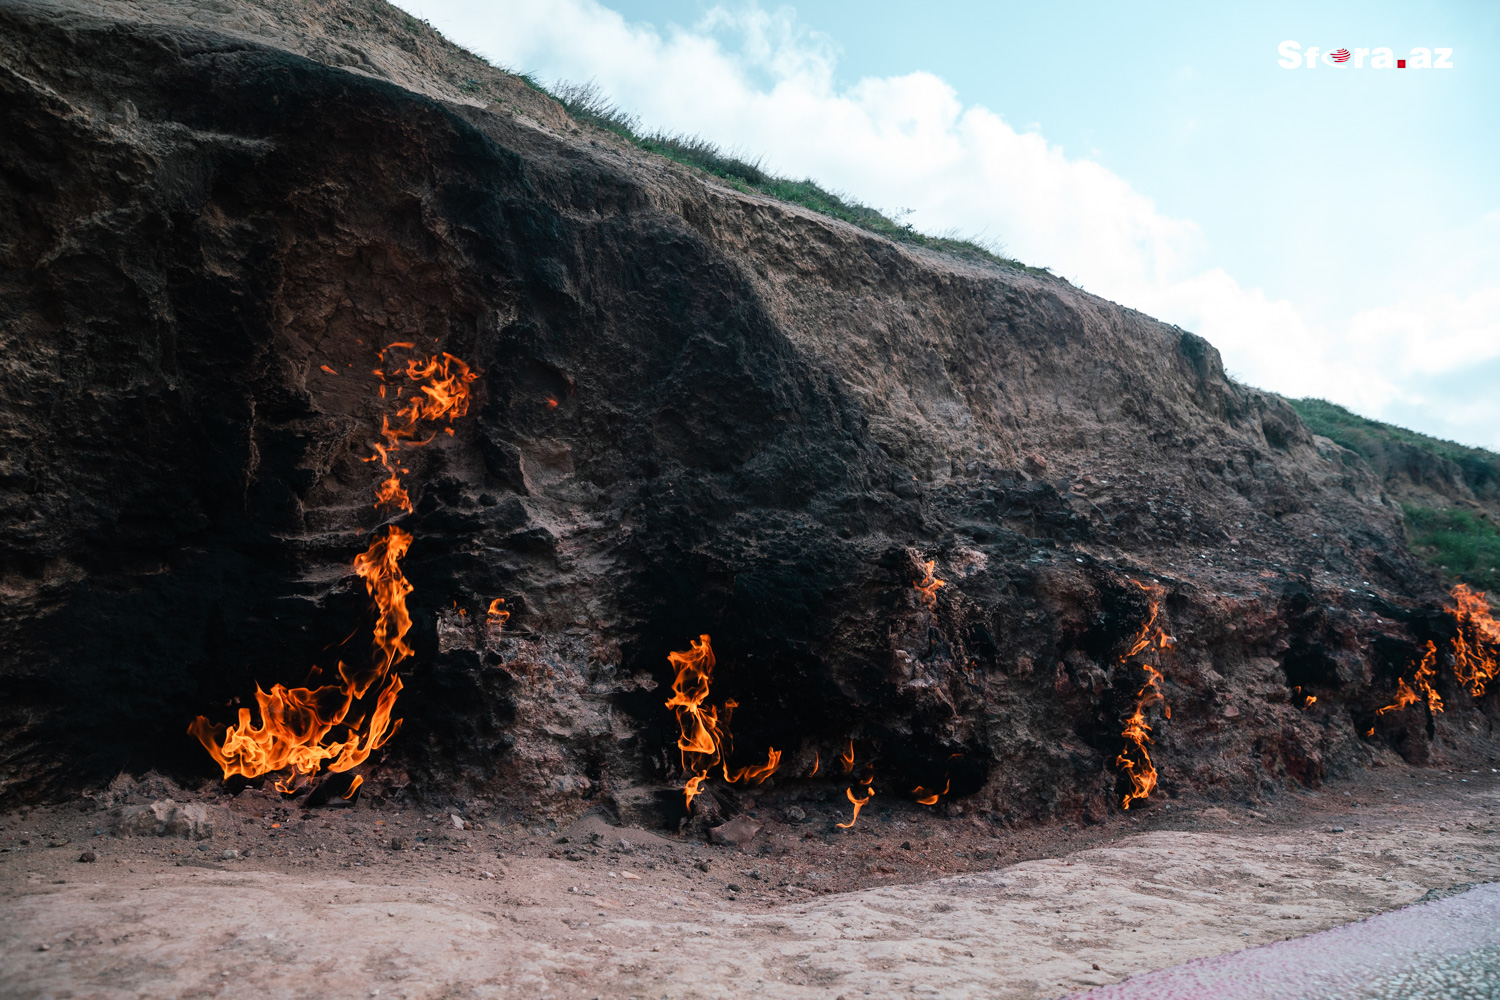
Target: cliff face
point(700, 412)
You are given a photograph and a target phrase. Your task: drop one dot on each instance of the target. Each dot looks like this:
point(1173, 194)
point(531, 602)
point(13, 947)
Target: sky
point(1334, 231)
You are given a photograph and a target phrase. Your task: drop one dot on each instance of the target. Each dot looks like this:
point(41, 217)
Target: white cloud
point(759, 82)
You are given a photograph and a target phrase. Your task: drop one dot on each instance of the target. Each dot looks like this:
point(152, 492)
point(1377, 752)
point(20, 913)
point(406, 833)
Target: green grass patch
point(586, 103)
point(1374, 442)
point(1459, 542)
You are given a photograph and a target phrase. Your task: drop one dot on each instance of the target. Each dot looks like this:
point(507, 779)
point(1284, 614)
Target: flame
point(814, 771)
point(1422, 680)
point(927, 587)
point(304, 731)
point(755, 774)
point(1137, 732)
point(927, 797)
point(1477, 642)
point(694, 786)
point(497, 615)
point(701, 742)
point(441, 393)
point(846, 759)
point(858, 805)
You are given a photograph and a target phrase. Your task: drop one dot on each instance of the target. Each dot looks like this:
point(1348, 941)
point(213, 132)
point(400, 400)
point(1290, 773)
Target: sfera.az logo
point(1292, 57)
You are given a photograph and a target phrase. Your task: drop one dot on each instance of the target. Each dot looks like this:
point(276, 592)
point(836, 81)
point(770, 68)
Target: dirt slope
point(700, 412)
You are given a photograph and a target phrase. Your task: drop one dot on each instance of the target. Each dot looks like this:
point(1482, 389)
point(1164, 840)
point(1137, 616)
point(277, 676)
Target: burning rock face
point(909, 497)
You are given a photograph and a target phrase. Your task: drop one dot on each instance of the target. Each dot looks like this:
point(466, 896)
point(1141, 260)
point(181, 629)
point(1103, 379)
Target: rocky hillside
point(701, 411)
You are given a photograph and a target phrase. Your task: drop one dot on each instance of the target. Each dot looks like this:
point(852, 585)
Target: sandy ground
point(319, 902)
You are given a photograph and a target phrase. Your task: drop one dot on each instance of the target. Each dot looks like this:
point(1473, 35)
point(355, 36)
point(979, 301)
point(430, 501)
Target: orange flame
point(441, 393)
point(701, 742)
point(814, 771)
point(927, 587)
point(1137, 732)
point(858, 805)
point(927, 797)
point(497, 614)
point(1475, 646)
point(755, 774)
point(304, 731)
point(1425, 673)
point(846, 759)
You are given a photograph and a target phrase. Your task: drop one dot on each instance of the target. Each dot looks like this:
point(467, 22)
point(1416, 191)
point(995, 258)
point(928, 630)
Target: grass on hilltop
point(587, 103)
point(1462, 543)
point(1459, 542)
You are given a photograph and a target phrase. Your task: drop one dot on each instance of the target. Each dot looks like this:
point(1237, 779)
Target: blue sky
point(1336, 232)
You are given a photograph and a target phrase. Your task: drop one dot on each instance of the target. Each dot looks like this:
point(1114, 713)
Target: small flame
point(1421, 686)
point(1477, 643)
point(927, 587)
point(927, 797)
point(441, 393)
point(328, 370)
point(497, 615)
point(551, 403)
point(1137, 732)
point(754, 774)
point(858, 805)
point(846, 759)
point(814, 771)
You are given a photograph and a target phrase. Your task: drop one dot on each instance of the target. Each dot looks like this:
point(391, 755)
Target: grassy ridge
point(586, 103)
point(1458, 542)
point(1377, 443)
point(1463, 543)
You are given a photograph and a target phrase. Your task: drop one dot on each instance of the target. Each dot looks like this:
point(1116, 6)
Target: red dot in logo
point(1400, 63)
point(1339, 55)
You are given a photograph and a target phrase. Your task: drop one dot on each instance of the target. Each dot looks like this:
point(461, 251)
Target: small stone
point(457, 820)
point(795, 814)
point(44, 947)
point(738, 831)
point(1096, 966)
point(229, 854)
point(398, 843)
point(735, 887)
point(702, 866)
point(88, 857)
point(1338, 829)
point(906, 845)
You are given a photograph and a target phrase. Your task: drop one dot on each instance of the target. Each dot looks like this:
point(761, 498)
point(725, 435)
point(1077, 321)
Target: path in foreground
point(139, 925)
point(1438, 950)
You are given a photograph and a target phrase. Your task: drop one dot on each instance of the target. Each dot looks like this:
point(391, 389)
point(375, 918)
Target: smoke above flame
point(306, 731)
point(1135, 760)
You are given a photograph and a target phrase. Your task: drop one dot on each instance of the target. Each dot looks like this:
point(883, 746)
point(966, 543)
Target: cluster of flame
point(1134, 760)
point(334, 727)
point(701, 740)
point(1476, 641)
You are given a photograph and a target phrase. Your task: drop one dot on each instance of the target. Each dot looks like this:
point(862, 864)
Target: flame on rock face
point(1421, 686)
point(441, 392)
point(858, 805)
point(701, 742)
point(927, 797)
point(304, 731)
point(497, 615)
point(846, 759)
point(754, 774)
point(1135, 760)
point(927, 587)
point(1476, 647)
